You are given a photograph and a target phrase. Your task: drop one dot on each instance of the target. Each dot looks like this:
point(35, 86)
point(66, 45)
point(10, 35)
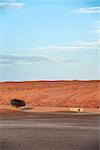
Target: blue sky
point(49, 40)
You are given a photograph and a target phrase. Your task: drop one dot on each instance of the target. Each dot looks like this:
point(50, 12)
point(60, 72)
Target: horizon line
point(49, 80)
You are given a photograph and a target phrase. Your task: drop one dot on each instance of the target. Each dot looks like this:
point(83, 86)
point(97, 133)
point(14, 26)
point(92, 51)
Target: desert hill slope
point(52, 93)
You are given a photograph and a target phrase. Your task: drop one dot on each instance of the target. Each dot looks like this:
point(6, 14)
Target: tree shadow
point(27, 108)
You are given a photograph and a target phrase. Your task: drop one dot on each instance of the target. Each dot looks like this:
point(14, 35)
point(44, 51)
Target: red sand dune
point(52, 93)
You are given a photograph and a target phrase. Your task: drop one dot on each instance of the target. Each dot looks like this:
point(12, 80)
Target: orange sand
point(52, 93)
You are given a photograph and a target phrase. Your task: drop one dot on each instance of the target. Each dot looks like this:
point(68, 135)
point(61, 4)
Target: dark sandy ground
point(49, 131)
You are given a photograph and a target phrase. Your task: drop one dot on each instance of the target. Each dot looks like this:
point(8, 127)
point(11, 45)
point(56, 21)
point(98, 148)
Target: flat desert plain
point(44, 123)
point(48, 131)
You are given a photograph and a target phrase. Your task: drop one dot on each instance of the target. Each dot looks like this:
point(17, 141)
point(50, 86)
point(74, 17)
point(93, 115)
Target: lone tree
point(17, 103)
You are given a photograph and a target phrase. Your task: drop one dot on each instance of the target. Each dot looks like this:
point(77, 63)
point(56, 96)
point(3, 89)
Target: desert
point(52, 93)
point(48, 131)
point(46, 123)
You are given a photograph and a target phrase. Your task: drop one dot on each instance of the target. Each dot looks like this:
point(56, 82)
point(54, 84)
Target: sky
point(49, 40)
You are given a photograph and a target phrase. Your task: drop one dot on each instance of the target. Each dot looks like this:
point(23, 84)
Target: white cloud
point(96, 31)
point(9, 59)
point(91, 44)
point(79, 46)
point(88, 10)
point(11, 5)
point(62, 59)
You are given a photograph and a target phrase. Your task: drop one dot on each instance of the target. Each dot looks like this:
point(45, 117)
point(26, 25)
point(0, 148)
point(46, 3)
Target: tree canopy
point(17, 103)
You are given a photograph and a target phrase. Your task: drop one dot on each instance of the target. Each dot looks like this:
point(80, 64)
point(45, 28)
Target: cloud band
point(11, 5)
